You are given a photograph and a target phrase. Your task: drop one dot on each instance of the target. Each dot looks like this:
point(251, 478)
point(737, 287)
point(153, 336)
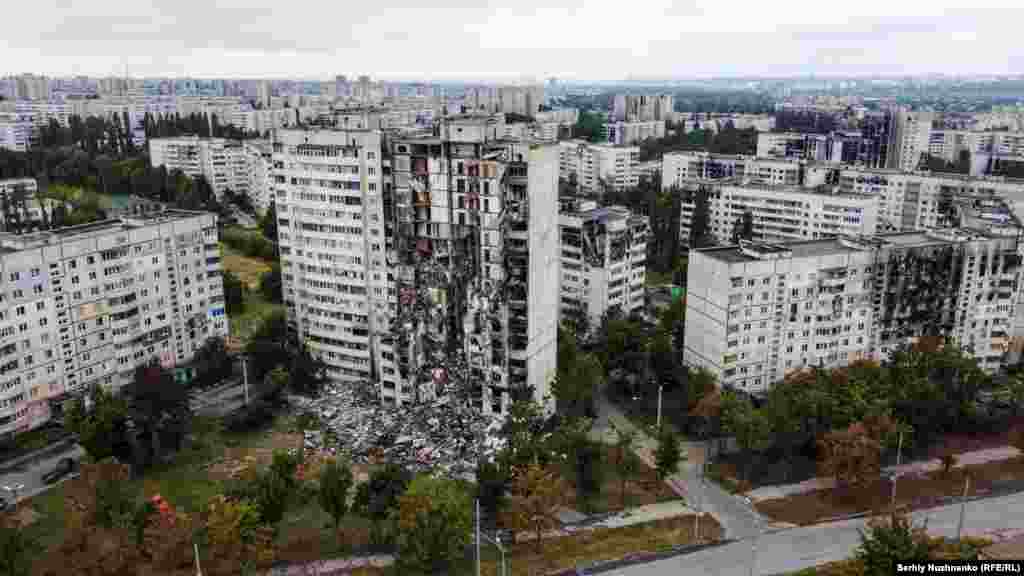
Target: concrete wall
point(545, 271)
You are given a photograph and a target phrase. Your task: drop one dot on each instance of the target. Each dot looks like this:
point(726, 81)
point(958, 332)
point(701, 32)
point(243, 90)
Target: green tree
point(589, 126)
point(377, 498)
point(271, 492)
point(579, 377)
point(626, 464)
point(308, 372)
point(234, 293)
point(751, 427)
point(268, 223)
point(18, 548)
point(212, 361)
point(335, 483)
point(892, 540)
point(435, 521)
point(668, 454)
point(101, 427)
point(492, 483)
point(159, 408)
point(271, 285)
point(524, 434)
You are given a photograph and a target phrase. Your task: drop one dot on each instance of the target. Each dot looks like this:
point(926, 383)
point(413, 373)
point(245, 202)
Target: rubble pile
point(440, 436)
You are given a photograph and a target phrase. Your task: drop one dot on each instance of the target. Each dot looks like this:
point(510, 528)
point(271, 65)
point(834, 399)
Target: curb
point(642, 558)
point(58, 446)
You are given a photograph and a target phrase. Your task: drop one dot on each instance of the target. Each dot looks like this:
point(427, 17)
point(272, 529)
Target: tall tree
point(159, 408)
point(537, 495)
point(434, 519)
point(335, 483)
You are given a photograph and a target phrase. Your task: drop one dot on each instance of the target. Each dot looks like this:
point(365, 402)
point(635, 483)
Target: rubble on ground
point(441, 436)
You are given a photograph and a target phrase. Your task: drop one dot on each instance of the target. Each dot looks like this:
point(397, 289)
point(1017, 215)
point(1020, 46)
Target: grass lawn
point(190, 481)
point(913, 492)
point(603, 544)
point(256, 308)
point(247, 269)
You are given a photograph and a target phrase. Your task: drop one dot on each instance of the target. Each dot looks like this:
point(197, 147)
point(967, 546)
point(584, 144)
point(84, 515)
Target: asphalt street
point(30, 473)
point(793, 549)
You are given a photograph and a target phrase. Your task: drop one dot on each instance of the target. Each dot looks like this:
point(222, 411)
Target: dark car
point(63, 468)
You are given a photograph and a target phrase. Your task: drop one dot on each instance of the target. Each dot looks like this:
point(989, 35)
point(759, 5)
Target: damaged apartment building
point(423, 263)
point(757, 311)
point(604, 257)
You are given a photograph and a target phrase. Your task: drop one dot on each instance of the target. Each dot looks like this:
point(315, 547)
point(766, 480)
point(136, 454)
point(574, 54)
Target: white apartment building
point(779, 213)
point(910, 138)
point(642, 107)
point(912, 201)
point(222, 162)
point(15, 190)
point(604, 261)
point(598, 166)
point(259, 169)
point(337, 287)
point(756, 312)
point(563, 116)
point(628, 133)
point(83, 306)
point(15, 132)
point(678, 168)
point(793, 145)
point(984, 147)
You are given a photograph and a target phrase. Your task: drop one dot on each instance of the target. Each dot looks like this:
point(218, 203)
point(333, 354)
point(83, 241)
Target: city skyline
point(501, 42)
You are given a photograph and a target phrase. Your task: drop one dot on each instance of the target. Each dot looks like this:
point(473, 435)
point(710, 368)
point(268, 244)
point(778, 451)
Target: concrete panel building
point(779, 213)
point(222, 162)
point(604, 261)
point(84, 305)
point(595, 167)
point(757, 312)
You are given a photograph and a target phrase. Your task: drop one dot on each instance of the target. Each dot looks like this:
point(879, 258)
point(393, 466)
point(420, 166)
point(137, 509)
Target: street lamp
point(661, 387)
point(14, 490)
point(753, 541)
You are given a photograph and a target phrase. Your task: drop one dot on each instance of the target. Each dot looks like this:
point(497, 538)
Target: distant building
point(910, 138)
point(604, 257)
point(680, 167)
point(596, 167)
point(15, 132)
point(642, 107)
point(222, 162)
point(630, 133)
point(779, 213)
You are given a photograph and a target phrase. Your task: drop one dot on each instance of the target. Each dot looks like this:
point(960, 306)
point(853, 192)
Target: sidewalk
point(737, 519)
point(916, 468)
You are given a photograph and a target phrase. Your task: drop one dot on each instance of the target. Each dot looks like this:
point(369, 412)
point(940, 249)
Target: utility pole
point(963, 507)
point(478, 537)
point(199, 571)
point(245, 380)
point(660, 388)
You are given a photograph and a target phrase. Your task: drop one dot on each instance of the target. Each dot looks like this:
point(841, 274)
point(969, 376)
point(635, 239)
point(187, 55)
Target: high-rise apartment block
point(597, 167)
point(628, 133)
point(756, 312)
point(604, 261)
point(778, 212)
point(83, 306)
point(222, 162)
point(910, 138)
point(413, 262)
point(642, 107)
point(678, 168)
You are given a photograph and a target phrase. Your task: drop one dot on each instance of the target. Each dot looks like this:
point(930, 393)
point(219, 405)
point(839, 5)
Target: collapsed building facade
point(451, 237)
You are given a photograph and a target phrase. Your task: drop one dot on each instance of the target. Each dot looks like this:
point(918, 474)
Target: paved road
point(794, 549)
point(30, 473)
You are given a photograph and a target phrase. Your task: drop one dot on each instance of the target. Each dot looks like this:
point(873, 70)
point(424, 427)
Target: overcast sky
point(466, 39)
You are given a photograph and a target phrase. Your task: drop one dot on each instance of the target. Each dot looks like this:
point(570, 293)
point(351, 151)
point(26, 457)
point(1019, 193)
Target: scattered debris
point(440, 436)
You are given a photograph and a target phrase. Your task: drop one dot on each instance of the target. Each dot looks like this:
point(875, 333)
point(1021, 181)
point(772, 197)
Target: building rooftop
point(15, 242)
point(754, 251)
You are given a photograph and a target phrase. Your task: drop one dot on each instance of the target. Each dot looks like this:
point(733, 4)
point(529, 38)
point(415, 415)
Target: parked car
point(64, 467)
